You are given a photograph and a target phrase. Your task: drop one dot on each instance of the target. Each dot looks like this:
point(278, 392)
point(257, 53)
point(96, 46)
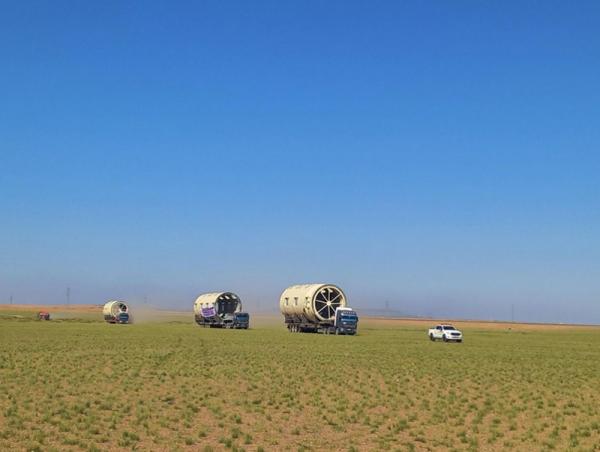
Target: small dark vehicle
point(43, 315)
point(241, 320)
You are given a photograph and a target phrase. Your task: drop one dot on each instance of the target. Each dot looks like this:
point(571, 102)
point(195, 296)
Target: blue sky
point(440, 156)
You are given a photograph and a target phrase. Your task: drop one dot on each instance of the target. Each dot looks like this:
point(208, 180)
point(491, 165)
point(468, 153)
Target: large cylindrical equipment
point(217, 304)
point(116, 311)
point(312, 302)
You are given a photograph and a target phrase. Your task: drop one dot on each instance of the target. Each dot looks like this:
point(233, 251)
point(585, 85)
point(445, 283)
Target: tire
point(460, 340)
point(431, 338)
point(444, 338)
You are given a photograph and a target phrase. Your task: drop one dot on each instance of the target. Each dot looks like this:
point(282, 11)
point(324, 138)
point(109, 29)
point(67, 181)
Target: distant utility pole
point(512, 313)
point(68, 296)
point(11, 298)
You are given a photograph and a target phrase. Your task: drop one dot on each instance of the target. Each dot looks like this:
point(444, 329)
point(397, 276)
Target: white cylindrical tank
point(116, 311)
point(312, 302)
point(217, 304)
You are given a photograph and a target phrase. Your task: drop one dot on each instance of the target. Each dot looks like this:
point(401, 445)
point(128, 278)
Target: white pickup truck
point(445, 333)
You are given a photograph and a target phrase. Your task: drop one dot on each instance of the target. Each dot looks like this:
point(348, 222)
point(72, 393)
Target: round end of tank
point(325, 301)
point(219, 303)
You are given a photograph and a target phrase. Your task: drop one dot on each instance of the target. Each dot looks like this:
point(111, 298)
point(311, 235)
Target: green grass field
point(69, 385)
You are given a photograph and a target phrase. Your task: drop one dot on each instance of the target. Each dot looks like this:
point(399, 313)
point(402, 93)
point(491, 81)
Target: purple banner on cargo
point(208, 312)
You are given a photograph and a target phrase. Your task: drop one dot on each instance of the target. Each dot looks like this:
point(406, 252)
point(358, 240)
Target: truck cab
point(237, 320)
point(44, 315)
point(123, 317)
point(241, 320)
point(346, 321)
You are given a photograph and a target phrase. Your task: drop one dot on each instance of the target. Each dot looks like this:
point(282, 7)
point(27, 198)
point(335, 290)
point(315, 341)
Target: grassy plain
point(170, 385)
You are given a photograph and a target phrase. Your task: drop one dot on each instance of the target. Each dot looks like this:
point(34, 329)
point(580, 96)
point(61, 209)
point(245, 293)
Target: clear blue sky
point(441, 156)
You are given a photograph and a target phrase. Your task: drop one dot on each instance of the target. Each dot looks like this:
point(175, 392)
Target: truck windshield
point(449, 327)
point(349, 317)
point(241, 316)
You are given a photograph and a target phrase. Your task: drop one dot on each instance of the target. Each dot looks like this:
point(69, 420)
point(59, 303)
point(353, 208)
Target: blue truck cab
point(346, 321)
point(241, 320)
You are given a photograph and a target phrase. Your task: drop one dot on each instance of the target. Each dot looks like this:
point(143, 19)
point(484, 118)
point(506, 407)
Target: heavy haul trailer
point(220, 310)
point(116, 312)
point(317, 308)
